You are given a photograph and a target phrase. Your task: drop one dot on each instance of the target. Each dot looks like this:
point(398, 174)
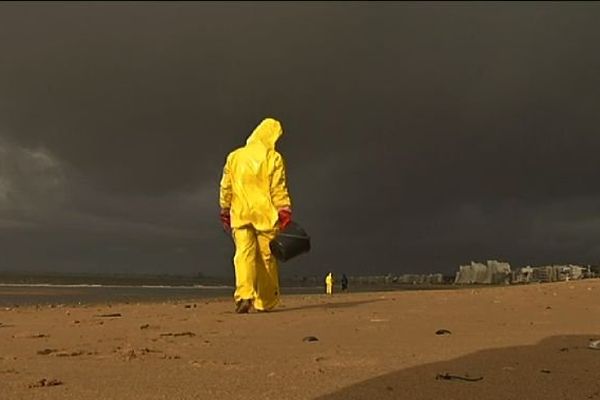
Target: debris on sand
point(443, 332)
point(451, 377)
point(170, 357)
point(594, 345)
point(45, 352)
point(30, 336)
point(71, 354)
point(46, 383)
point(309, 339)
point(145, 326)
point(190, 334)
point(146, 350)
point(195, 363)
point(113, 315)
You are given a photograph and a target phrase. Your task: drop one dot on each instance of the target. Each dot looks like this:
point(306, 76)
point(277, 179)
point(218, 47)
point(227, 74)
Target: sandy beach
point(519, 342)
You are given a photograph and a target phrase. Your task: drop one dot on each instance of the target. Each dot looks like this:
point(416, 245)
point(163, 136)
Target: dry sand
point(526, 342)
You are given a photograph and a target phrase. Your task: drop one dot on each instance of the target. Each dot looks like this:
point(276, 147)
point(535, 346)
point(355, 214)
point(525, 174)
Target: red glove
point(285, 217)
point(226, 219)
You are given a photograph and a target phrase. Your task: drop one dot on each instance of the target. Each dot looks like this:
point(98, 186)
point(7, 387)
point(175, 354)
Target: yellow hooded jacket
point(253, 186)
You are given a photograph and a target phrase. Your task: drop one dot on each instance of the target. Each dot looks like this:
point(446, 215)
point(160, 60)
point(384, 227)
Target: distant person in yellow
point(329, 283)
point(255, 204)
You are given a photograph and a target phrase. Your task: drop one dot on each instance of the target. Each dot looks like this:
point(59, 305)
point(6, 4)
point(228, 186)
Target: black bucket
point(290, 242)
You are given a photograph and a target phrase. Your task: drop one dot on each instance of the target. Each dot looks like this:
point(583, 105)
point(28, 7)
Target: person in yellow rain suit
point(255, 204)
point(329, 283)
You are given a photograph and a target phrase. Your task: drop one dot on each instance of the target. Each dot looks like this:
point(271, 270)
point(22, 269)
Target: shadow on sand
point(325, 305)
point(559, 367)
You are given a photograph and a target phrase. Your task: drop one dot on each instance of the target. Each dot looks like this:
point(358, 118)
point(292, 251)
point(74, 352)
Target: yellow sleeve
point(225, 191)
point(279, 192)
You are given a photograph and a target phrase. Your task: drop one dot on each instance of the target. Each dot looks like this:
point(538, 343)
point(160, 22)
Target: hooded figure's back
point(254, 185)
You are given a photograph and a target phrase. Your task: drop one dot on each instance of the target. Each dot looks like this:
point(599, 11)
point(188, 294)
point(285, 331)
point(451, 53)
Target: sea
point(15, 295)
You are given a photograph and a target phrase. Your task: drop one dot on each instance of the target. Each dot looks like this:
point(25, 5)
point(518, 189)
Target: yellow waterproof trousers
point(256, 269)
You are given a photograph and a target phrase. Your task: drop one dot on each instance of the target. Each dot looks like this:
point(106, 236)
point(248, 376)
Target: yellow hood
point(267, 133)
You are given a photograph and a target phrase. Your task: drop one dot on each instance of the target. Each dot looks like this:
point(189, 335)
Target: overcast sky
point(417, 136)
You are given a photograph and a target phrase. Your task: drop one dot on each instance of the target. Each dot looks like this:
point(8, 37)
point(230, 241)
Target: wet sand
point(519, 342)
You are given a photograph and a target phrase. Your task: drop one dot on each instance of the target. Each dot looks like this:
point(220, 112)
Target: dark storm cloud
point(419, 135)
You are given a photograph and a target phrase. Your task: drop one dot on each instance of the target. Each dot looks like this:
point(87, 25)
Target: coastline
point(24, 294)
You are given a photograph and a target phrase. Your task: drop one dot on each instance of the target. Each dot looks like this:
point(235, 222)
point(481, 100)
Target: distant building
point(419, 279)
point(389, 279)
point(522, 275)
point(551, 273)
point(493, 272)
